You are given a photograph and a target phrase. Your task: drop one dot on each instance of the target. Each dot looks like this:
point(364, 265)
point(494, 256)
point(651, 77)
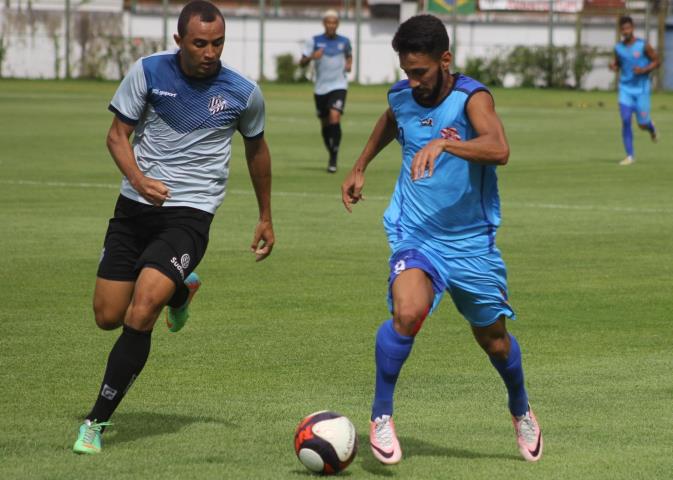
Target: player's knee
point(144, 309)
point(107, 318)
point(495, 347)
point(407, 318)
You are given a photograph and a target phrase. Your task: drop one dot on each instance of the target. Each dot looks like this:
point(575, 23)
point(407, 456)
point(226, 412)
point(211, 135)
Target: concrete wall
point(31, 54)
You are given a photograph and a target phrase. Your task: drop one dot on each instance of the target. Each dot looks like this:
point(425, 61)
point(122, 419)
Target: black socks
point(331, 135)
point(125, 362)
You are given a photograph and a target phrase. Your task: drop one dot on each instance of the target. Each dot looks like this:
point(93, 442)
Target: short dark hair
point(422, 34)
point(624, 19)
point(206, 11)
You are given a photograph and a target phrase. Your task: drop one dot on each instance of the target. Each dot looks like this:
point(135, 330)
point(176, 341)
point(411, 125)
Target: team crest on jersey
point(426, 122)
point(217, 104)
point(450, 133)
point(636, 54)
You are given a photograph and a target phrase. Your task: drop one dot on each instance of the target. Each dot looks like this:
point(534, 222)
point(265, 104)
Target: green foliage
point(285, 68)
point(489, 72)
point(537, 66)
point(287, 71)
point(3, 51)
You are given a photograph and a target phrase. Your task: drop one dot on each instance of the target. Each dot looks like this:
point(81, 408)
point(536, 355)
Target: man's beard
point(433, 96)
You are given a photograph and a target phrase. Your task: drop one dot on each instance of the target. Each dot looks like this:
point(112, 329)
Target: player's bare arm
point(614, 64)
point(259, 165)
point(384, 132)
point(120, 148)
point(490, 147)
point(349, 64)
point(654, 61)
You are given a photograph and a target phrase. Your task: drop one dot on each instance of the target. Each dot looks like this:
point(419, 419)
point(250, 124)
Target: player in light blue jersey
point(441, 223)
point(635, 59)
point(182, 108)
point(333, 58)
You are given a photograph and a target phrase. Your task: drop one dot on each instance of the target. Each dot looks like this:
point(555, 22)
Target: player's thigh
point(111, 298)
point(415, 286)
point(478, 287)
point(337, 102)
point(322, 107)
point(152, 291)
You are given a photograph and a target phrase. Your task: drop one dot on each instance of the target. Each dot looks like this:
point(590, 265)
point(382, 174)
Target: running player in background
point(635, 59)
point(333, 59)
point(183, 108)
point(441, 223)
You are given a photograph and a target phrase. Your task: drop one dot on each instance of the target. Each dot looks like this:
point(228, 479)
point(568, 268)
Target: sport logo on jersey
point(426, 122)
point(450, 133)
point(217, 104)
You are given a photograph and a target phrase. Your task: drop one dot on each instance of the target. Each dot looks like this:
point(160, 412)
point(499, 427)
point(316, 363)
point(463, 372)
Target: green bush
point(535, 66)
point(285, 68)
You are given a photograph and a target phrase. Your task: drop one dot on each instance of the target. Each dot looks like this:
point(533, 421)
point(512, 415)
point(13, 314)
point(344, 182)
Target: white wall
point(32, 54)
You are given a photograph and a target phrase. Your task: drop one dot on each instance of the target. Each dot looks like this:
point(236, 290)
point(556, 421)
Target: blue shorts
point(638, 101)
point(477, 285)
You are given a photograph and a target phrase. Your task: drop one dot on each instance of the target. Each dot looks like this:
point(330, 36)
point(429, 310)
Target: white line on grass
point(546, 206)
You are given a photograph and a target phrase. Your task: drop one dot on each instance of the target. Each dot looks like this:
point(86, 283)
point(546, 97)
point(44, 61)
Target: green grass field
point(588, 248)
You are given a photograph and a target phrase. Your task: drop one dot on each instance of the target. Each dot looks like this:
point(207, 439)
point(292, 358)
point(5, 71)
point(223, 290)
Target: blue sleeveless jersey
point(456, 212)
point(631, 56)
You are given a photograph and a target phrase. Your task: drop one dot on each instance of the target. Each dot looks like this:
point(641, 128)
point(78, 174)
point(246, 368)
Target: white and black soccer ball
point(325, 442)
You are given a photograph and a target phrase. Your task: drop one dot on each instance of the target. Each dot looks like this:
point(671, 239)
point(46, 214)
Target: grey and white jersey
point(330, 69)
point(184, 126)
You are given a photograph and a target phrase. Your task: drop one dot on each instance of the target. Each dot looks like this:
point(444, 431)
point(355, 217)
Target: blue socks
point(511, 372)
point(627, 132)
point(392, 349)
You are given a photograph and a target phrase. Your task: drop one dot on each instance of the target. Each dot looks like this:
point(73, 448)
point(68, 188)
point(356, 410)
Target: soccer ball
point(325, 442)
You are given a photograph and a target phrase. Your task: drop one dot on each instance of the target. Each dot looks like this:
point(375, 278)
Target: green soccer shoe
point(88, 440)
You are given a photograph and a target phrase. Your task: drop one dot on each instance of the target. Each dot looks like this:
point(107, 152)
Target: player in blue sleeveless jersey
point(182, 108)
point(332, 56)
point(635, 59)
point(441, 223)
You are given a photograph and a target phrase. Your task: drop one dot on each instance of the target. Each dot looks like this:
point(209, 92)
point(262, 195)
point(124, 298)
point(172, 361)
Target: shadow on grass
point(132, 426)
point(413, 447)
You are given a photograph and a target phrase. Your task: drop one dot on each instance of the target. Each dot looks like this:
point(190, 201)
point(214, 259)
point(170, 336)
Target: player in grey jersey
point(182, 108)
point(332, 57)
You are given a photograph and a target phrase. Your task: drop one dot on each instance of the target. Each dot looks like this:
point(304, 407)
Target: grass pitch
point(588, 249)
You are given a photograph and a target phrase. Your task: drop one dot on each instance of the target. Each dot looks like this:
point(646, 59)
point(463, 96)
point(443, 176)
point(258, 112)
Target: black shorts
point(171, 239)
point(334, 100)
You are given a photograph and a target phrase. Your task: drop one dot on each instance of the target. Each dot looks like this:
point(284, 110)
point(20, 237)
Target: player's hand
point(638, 70)
point(263, 240)
point(351, 189)
point(318, 54)
point(154, 191)
point(424, 160)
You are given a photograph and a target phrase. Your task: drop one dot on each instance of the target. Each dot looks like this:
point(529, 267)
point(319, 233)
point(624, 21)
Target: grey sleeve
point(251, 122)
point(130, 99)
point(308, 48)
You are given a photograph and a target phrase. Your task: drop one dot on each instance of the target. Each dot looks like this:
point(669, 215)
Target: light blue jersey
point(457, 210)
point(445, 225)
point(330, 69)
point(630, 57)
point(183, 127)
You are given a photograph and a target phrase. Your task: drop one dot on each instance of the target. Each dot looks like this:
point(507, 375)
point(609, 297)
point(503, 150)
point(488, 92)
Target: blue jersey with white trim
point(456, 211)
point(630, 57)
point(184, 126)
point(330, 69)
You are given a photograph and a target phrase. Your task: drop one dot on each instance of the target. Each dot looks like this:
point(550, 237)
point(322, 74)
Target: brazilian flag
point(463, 7)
